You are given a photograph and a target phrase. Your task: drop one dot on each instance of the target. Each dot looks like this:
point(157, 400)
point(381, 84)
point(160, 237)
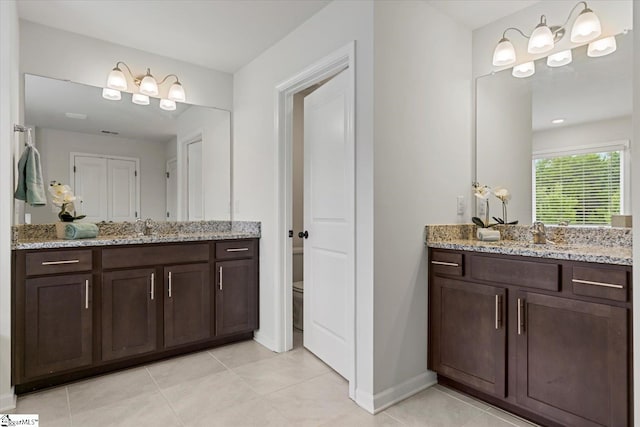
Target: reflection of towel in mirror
point(30, 183)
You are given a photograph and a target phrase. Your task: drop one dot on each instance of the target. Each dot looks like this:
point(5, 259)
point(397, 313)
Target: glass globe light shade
point(559, 59)
point(167, 104)
point(524, 70)
point(148, 85)
point(111, 94)
point(586, 27)
point(140, 99)
point(541, 40)
point(504, 53)
point(176, 92)
point(116, 80)
point(602, 47)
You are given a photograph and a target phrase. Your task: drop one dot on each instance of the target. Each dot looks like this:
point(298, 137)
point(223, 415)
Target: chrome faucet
point(539, 233)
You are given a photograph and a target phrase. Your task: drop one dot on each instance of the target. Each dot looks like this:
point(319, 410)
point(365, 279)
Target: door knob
point(305, 234)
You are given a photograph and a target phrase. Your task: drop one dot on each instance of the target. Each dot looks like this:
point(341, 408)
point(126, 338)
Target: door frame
point(340, 60)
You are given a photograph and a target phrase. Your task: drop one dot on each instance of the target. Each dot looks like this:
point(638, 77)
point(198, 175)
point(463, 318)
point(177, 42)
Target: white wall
point(214, 127)
point(9, 115)
point(615, 16)
point(503, 138)
point(49, 52)
point(56, 145)
point(636, 213)
point(609, 130)
point(422, 116)
point(255, 157)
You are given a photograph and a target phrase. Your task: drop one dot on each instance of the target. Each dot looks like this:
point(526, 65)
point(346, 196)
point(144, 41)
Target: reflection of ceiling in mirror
point(48, 100)
point(587, 90)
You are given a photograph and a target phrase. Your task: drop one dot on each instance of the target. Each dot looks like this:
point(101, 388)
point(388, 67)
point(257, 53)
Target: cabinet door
point(187, 305)
point(236, 296)
point(128, 313)
point(469, 339)
point(572, 360)
point(57, 324)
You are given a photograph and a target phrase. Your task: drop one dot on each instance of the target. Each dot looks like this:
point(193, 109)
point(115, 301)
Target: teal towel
point(30, 182)
point(79, 230)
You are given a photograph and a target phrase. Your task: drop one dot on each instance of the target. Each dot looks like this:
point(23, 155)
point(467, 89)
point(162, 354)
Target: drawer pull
point(449, 264)
point(237, 249)
point(169, 284)
point(606, 285)
point(497, 311)
point(86, 294)
point(153, 283)
point(70, 261)
point(220, 284)
point(520, 325)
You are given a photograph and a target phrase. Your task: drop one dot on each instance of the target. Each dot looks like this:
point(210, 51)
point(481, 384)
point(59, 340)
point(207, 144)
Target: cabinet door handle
point(220, 284)
point(169, 284)
point(237, 249)
point(153, 284)
point(520, 318)
point(498, 312)
point(86, 294)
point(69, 261)
point(450, 264)
point(606, 285)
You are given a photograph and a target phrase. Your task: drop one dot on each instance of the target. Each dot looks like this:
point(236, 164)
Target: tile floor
point(244, 384)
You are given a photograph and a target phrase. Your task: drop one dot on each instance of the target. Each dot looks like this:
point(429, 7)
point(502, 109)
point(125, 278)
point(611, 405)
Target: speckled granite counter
point(43, 236)
point(600, 245)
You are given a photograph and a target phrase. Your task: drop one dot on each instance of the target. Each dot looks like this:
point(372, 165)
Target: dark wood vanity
point(547, 339)
point(85, 311)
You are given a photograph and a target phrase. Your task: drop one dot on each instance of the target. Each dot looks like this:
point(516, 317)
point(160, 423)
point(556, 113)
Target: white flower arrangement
point(483, 192)
point(62, 197)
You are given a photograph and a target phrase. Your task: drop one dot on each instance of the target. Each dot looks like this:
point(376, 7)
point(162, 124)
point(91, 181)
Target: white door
point(172, 190)
point(328, 218)
point(122, 187)
point(90, 187)
point(195, 211)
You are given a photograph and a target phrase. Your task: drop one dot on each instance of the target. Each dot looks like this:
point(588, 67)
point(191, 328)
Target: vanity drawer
point(154, 255)
point(601, 282)
point(52, 262)
point(235, 249)
point(448, 263)
point(530, 274)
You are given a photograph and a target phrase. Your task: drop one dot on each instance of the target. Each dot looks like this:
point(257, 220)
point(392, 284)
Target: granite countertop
point(613, 246)
point(111, 234)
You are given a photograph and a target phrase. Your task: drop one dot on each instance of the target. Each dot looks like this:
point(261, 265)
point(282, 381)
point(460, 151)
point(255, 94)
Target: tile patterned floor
point(244, 384)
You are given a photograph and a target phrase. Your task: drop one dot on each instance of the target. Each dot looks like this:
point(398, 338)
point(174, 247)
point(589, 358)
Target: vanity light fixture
point(147, 86)
point(543, 38)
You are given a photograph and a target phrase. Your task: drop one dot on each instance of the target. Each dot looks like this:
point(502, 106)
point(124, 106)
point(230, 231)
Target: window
point(584, 187)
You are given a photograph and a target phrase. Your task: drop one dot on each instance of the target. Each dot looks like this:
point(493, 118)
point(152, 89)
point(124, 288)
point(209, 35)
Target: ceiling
point(219, 34)
point(475, 14)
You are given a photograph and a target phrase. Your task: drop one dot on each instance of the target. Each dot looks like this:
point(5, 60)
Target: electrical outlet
point(460, 205)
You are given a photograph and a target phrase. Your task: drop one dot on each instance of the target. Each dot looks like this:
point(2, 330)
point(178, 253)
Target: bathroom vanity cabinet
point(80, 312)
point(547, 339)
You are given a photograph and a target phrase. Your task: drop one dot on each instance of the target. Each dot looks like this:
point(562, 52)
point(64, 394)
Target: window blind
point(584, 189)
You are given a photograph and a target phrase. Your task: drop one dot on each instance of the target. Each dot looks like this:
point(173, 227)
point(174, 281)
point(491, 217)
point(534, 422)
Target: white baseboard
point(389, 397)
point(265, 341)
point(7, 401)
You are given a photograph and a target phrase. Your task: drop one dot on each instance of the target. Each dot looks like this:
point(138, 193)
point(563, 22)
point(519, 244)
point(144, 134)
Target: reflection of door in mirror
point(194, 181)
point(172, 189)
point(106, 187)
